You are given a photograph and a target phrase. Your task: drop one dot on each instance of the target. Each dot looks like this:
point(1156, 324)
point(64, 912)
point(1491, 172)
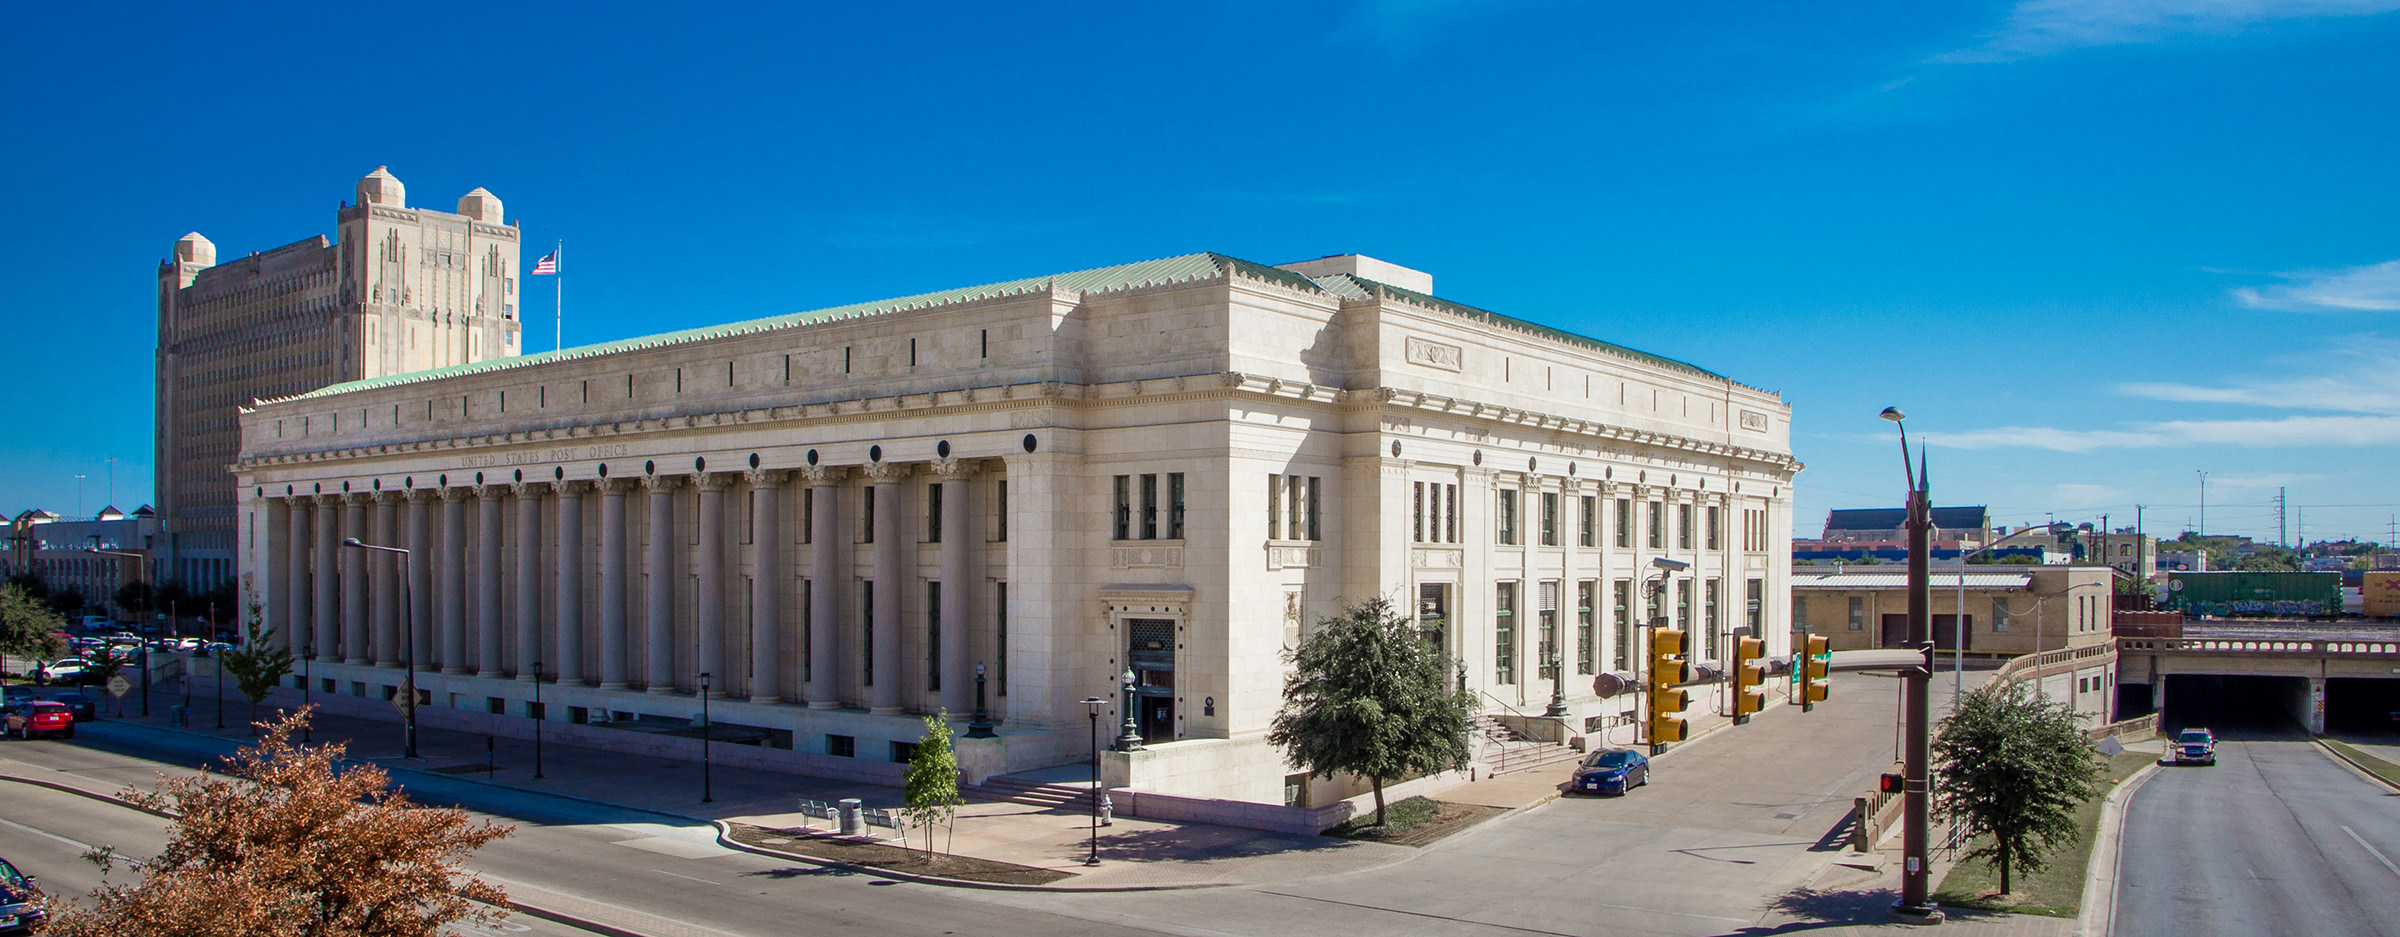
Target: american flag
point(547, 266)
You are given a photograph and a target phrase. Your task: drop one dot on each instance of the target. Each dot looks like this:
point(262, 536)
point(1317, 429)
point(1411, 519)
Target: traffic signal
point(1892, 784)
point(1749, 677)
point(1815, 665)
point(1668, 667)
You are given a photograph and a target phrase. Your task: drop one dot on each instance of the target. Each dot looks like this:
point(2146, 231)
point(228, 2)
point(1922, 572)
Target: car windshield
point(2192, 737)
point(1609, 760)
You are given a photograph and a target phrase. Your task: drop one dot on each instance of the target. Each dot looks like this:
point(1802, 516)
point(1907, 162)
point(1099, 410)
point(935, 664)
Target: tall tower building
point(402, 289)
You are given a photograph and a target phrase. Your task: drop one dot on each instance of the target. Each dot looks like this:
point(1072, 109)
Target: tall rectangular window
point(1000, 638)
point(1654, 603)
point(1123, 517)
point(1858, 613)
point(1547, 596)
point(1274, 507)
point(1450, 513)
point(1313, 484)
point(1175, 505)
point(1504, 633)
point(933, 637)
point(1683, 605)
point(808, 631)
point(1624, 621)
point(1754, 606)
point(1000, 511)
point(866, 628)
point(1508, 516)
point(1716, 527)
point(933, 513)
point(1708, 615)
point(1293, 489)
point(1683, 527)
point(1549, 518)
point(1587, 531)
point(866, 514)
point(1585, 595)
point(1624, 522)
point(1149, 507)
point(1417, 513)
point(808, 515)
point(1658, 525)
point(1999, 615)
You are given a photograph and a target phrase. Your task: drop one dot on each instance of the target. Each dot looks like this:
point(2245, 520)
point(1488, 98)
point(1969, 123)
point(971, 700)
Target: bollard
point(854, 820)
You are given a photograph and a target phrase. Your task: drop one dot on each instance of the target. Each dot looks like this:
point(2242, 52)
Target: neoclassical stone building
point(1166, 468)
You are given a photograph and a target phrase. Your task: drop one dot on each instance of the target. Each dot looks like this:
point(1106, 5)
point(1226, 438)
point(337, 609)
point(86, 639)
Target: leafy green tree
point(27, 625)
point(259, 663)
point(68, 601)
point(2014, 767)
point(931, 788)
point(1370, 698)
point(137, 599)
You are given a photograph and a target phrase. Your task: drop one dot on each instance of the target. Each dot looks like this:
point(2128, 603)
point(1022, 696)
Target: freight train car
point(2255, 594)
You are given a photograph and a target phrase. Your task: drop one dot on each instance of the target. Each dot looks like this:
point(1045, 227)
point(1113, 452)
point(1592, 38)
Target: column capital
point(390, 496)
point(420, 495)
point(952, 467)
point(329, 500)
point(449, 495)
point(572, 488)
point(885, 473)
point(1533, 480)
point(765, 478)
point(494, 491)
point(614, 486)
point(528, 489)
point(822, 475)
point(661, 482)
point(361, 498)
point(713, 481)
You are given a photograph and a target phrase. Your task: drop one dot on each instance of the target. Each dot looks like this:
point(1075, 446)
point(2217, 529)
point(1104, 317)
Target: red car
point(39, 717)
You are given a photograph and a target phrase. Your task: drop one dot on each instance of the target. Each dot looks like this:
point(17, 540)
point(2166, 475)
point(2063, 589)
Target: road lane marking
point(689, 878)
point(2362, 844)
point(87, 847)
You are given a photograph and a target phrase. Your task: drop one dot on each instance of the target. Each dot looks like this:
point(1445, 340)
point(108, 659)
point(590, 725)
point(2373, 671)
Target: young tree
point(259, 663)
point(931, 788)
point(283, 845)
point(27, 625)
point(2015, 767)
point(1368, 696)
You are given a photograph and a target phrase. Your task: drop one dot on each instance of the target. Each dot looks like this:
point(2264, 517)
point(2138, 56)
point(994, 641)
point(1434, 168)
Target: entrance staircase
point(1507, 751)
point(1043, 792)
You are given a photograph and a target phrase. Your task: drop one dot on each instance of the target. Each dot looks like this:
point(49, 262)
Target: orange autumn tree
point(282, 844)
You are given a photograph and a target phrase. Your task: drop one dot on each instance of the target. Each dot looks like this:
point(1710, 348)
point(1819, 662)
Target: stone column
point(487, 579)
point(383, 571)
point(569, 659)
point(273, 584)
point(419, 624)
point(824, 576)
point(328, 591)
point(958, 581)
point(612, 582)
point(299, 637)
point(710, 599)
point(658, 562)
point(453, 585)
point(766, 587)
point(884, 631)
point(529, 577)
point(354, 579)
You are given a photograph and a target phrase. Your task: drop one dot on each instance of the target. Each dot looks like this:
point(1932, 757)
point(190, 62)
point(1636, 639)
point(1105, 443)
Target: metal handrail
point(1502, 767)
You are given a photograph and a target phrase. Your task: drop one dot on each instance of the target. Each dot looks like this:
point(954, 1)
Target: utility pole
point(2282, 504)
point(2203, 531)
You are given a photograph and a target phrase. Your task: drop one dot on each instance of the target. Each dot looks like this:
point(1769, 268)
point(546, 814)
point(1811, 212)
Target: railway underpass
point(2264, 680)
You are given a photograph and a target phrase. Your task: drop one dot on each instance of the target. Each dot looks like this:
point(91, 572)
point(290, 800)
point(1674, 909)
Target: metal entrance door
point(1153, 658)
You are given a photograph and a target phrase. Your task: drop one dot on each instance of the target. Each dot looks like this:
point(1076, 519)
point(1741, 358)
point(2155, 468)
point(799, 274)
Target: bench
point(889, 819)
point(814, 810)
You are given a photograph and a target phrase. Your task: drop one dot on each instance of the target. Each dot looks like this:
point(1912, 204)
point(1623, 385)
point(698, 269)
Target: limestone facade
point(402, 289)
point(1167, 468)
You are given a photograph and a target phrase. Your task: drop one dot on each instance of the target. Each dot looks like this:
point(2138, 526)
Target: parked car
point(11, 694)
point(20, 901)
point(2195, 746)
point(38, 717)
point(77, 702)
point(1612, 771)
point(66, 671)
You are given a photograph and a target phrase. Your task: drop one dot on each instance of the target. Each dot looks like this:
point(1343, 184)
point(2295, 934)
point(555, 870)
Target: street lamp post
point(1916, 879)
point(1093, 703)
point(1658, 599)
point(540, 716)
point(1131, 739)
point(707, 795)
point(95, 548)
point(408, 643)
point(1558, 687)
point(981, 728)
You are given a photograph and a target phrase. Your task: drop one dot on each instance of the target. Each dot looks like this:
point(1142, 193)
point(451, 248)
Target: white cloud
point(2041, 27)
point(2285, 432)
point(2372, 386)
point(2371, 288)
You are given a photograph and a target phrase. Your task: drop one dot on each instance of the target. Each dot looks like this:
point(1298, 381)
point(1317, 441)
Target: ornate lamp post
point(981, 728)
point(1558, 688)
point(1916, 876)
point(707, 793)
point(1131, 739)
point(1093, 703)
point(408, 642)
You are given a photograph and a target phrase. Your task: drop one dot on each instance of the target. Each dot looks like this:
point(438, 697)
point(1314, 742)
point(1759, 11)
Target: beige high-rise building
point(401, 289)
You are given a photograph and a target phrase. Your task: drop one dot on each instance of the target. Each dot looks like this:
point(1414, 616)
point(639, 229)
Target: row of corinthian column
point(346, 605)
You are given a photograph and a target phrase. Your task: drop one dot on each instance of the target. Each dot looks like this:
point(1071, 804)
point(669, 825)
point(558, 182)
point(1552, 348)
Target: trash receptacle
point(179, 716)
point(854, 816)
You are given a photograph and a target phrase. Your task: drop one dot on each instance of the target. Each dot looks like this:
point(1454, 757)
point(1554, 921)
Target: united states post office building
point(842, 519)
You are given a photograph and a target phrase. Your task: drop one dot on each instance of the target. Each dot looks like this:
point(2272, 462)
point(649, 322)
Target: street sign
point(118, 686)
point(2111, 747)
point(404, 702)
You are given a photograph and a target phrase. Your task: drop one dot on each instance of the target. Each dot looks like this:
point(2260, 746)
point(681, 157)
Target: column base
point(328, 659)
point(525, 678)
point(888, 711)
point(824, 704)
point(393, 664)
point(616, 685)
point(660, 689)
point(355, 661)
point(489, 675)
point(714, 693)
point(455, 671)
point(766, 697)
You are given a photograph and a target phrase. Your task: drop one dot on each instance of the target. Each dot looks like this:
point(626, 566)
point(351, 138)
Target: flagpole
point(558, 295)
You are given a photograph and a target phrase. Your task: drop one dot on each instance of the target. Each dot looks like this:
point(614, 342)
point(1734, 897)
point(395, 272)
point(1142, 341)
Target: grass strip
point(2382, 769)
point(2056, 890)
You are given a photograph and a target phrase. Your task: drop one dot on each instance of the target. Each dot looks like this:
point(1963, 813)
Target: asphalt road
point(2277, 838)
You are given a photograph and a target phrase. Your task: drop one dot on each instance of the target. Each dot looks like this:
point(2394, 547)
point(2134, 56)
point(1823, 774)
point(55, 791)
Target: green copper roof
point(1184, 268)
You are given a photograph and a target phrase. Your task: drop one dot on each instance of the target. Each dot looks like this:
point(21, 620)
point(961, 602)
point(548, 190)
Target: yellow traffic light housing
point(1667, 729)
point(1816, 664)
point(1668, 667)
point(1749, 677)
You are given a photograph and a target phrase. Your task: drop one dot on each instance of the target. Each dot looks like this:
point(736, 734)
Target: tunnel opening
point(2363, 707)
point(2133, 700)
point(2238, 706)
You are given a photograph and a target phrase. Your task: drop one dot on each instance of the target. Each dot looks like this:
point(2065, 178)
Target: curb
point(2100, 887)
point(2363, 770)
point(547, 914)
point(725, 839)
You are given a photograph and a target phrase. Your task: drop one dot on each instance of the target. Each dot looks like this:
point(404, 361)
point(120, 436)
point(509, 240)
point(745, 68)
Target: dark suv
point(20, 901)
point(2195, 746)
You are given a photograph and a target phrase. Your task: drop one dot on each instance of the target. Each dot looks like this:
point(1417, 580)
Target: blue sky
point(2093, 247)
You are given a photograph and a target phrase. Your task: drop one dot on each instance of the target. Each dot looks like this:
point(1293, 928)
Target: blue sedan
point(1611, 771)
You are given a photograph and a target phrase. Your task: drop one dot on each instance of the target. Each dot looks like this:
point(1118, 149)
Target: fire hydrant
point(1108, 811)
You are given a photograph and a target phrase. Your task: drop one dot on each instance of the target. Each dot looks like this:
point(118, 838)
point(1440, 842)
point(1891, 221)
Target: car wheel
point(68, 734)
